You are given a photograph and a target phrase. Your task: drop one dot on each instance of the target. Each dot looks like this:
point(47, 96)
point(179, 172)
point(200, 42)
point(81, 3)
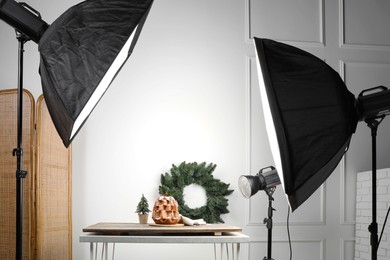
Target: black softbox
point(81, 53)
point(310, 116)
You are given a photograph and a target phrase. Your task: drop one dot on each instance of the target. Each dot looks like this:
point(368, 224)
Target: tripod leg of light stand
point(269, 223)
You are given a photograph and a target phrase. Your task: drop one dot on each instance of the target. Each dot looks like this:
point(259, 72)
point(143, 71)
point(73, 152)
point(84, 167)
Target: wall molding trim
point(319, 43)
point(342, 40)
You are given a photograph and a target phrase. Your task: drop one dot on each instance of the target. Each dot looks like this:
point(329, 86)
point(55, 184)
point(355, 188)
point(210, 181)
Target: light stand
point(373, 106)
point(373, 227)
point(28, 25)
point(264, 180)
point(269, 223)
point(18, 151)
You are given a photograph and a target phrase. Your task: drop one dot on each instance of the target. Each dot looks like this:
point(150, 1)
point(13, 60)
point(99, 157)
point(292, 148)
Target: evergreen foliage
point(143, 206)
point(185, 174)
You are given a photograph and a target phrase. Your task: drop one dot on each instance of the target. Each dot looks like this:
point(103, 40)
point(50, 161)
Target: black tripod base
point(265, 258)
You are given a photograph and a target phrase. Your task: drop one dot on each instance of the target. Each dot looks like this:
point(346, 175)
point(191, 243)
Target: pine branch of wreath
point(185, 174)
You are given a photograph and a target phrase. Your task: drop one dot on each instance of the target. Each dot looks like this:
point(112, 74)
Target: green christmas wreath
point(188, 173)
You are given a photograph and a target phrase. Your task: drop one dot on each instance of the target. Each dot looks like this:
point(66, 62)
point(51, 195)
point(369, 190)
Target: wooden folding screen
point(53, 184)
point(47, 188)
point(8, 141)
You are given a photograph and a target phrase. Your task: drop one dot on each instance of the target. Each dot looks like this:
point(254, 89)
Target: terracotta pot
point(143, 218)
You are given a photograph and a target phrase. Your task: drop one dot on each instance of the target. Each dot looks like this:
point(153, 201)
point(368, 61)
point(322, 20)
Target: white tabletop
point(232, 237)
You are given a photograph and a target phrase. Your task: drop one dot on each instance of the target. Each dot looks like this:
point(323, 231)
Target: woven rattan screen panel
point(53, 196)
point(8, 141)
point(47, 226)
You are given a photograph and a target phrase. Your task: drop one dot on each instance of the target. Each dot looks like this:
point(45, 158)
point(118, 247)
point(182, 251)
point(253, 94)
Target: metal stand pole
point(269, 223)
point(373, 227)
point(18, 151)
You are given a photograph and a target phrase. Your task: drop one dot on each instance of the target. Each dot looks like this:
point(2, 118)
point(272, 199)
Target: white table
point(228, 237)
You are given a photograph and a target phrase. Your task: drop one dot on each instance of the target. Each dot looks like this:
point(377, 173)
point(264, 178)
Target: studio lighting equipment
point(25, 19)
point(249, 185)
point(264, 180)
point(81, 52)
point(310, 118)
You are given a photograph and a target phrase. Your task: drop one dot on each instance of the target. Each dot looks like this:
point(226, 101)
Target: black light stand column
point(373, 228)
point(269, 223)
point(18, 152)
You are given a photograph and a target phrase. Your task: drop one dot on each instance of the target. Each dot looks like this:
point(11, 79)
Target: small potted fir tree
point(143, 210)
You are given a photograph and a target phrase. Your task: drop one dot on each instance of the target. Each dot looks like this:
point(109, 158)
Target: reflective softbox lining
point(313, 116)
point(81, 53)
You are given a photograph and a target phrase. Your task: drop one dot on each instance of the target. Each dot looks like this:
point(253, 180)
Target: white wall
point(188, 93)
point(364, 214)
